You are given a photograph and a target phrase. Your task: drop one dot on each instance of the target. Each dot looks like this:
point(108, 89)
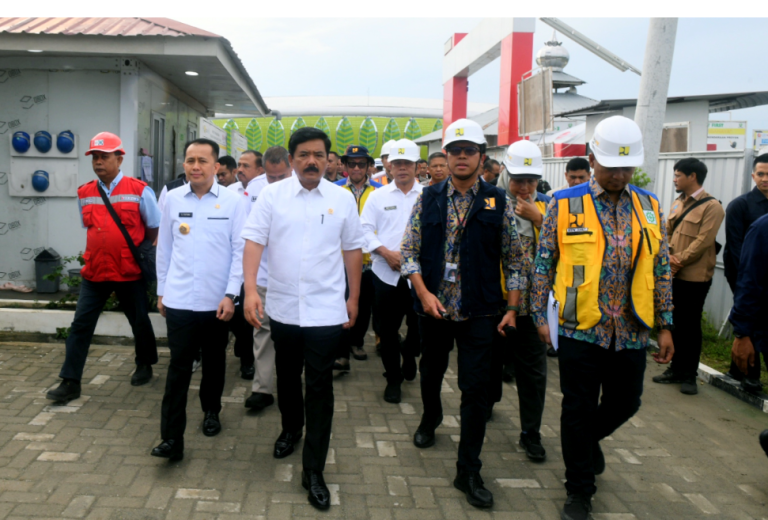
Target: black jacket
point(741, 213)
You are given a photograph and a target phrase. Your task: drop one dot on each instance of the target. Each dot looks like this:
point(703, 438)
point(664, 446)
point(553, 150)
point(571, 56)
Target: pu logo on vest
point(459, 131)
point(624, 150)
point(576, 225)
point(490, 203)
point(527, 162)
point(650, 217)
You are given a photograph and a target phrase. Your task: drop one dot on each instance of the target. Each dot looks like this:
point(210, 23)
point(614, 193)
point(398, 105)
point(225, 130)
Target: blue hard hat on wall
point(40, 180)
point(43, 141)
point(65, 141)
point(21, 141)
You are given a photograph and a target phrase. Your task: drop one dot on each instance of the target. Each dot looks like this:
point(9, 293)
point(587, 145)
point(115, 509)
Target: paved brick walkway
point(679, 458)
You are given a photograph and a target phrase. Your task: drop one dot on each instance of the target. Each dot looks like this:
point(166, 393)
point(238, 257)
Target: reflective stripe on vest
point(114, 199)
point(582, 244)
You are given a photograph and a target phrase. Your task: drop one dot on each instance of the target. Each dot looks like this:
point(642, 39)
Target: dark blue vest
point(479, 251)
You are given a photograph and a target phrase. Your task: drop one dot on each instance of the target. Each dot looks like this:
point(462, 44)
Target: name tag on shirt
point(390, 208)
point(185, 214)
point(578, 231)
point(218, 218)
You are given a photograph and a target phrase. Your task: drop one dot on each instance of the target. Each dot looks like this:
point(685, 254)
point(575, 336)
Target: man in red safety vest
point(109, 263)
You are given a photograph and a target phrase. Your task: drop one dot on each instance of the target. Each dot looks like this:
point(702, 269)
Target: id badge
point(450, 272)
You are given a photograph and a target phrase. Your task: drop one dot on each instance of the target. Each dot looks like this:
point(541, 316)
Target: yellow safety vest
point(582, 241)
point(543, 209)
point(360, 205)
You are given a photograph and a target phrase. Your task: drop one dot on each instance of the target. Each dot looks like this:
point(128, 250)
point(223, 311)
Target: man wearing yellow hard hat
point(603, 251)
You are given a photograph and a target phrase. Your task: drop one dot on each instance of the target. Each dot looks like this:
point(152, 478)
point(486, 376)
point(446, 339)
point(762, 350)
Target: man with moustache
point(438, 169)
point(459, 233)
point(249, 167)
point(306, 221)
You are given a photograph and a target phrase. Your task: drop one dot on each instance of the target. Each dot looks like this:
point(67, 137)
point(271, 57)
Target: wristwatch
point(739, 336)
point(231, 297)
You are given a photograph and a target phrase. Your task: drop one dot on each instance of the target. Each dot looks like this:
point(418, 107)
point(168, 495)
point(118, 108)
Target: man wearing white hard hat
point(384, 177)
point(603, 251)
point(460, 230)
point(384, 218)
point(528, 355)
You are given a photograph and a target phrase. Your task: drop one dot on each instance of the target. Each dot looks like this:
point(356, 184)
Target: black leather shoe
point(471, 484)
point(169, 449)
point(211, 424)
point(68, 390)
point(392, 393)
point(359, 354)
point(531, 443)
point(142, 375)
point(319, 496)
point(689, 387)
point(247, 372)
point(668, 378)
point(764, 441)
point(551, 352)
point(259, 401)
point(409, 368)
point(577, 507)
point(285, 443)
point(508, 374)
point(598, 459)
point(425, 433)
point(342, 367)
point(752, 386)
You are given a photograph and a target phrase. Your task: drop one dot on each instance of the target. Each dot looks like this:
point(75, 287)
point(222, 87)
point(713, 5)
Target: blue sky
point(403, 58)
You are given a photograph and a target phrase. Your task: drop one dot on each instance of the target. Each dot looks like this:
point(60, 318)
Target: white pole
point(654, 85)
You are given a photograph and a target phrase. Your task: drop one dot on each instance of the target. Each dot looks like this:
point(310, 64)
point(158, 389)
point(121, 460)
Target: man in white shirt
point(200, 232)
point(277, 166)
point(307, 222)
point(384, 219)
point(249, 167)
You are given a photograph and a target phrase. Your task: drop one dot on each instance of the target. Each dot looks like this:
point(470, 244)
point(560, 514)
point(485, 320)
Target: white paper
point(146, 169)
point(553, 318)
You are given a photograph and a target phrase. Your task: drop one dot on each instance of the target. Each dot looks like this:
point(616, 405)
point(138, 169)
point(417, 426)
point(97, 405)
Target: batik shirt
point(449, 293)
point(614, 296)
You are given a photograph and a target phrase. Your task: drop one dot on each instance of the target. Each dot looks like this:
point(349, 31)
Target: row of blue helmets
point(21, 142)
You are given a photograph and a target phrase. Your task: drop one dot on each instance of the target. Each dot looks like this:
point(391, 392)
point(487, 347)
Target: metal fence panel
point(728, 177)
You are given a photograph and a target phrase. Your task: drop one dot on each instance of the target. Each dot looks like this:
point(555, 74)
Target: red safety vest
point(107, 256)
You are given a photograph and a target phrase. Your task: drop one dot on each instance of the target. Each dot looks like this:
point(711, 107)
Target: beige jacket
point(693, 242)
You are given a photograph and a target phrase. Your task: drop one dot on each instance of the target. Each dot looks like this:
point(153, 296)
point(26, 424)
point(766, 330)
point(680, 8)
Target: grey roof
point(489, 120)
point(717, 103)
point(561, 79)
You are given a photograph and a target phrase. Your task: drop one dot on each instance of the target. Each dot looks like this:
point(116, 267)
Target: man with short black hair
point(249, 166)
point(199, 272)
point(422, 171)
point(332, 170)
point(307, 222)
point(491, 169)
point(741, 213)
point(227, 168)
point(692, 227)
point(438, 169)
point(576, 172)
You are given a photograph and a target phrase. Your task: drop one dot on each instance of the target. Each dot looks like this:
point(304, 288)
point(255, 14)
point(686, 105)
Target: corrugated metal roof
point(101, 27)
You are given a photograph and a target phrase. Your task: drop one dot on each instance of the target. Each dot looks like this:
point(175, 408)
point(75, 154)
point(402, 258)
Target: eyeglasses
point(469, 151)
point(359, 164)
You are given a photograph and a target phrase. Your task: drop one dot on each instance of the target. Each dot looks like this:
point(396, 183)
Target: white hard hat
point(617, 143)
point(385, 148)
point(463, 130)
point(404, 150)
point(377, 163)
point(523, 159)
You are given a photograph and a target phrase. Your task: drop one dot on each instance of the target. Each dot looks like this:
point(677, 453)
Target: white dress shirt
point(196, 270)
point(384, 218)
point(306, 232)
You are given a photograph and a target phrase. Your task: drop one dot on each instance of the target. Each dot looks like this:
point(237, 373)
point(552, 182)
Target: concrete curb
point(725, 383)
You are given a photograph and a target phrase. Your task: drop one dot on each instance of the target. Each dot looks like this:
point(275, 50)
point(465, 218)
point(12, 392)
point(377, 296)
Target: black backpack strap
point(120, 225)
point(694, 205)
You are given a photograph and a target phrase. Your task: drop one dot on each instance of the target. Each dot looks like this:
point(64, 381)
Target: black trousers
point(529, 356)
point(93, 295)
point(587, 369)
point(688, 298)
point(312, 349)
point(243, 332)
point(394, 304)
point(474, 338)
point(190, 332)
point(355, 337)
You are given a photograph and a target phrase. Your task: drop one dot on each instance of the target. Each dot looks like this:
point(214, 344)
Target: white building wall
point(86, 102)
